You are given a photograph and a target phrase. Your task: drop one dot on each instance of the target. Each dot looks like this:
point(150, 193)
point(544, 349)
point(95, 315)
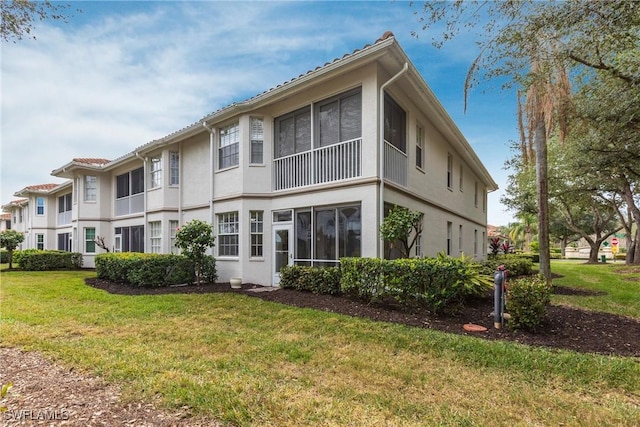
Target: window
point(461, 177)
point(39, 205)
point(449, 237)
point(228, 234)
point(475, 195)
point(256, 225)
point(257, 141)
point(293, 133)
point(64, 242)
point(228, 149)
point(89, 240)
point(449, 171)
point(484, 199)
point(394, 124)
point(132, 238)
point(419, 147)
point(173, 229)
point(324, 235)
point(64, 203)
point(339, 119)
point(155, 172)
point(130, 183)
point(475, 242)
point(460, 238)
point(484, 241)
point(90, 188)
point(174, 168)
point(155, 236)
point(40, 241)
point(418, 245)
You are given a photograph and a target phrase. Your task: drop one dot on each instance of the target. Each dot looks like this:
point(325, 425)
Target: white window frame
point(155, 237)
point(475, 195)
point(87, 241)
point(461, 178)
point(256, 232)
point(449, 237)
point(39, 206)
point(228, 234)
point(173, 229)
point(90, 188)
point(229, 140)
point(174, 168)
point(155, 172)
point(40, 245)
point(460, 240)
point(256, 149)
point(419, 147)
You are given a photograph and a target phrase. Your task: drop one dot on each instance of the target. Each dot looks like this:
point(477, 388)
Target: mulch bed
point(565, 327)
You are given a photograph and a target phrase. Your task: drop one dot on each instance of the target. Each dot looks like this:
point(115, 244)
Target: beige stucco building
point(302, 173)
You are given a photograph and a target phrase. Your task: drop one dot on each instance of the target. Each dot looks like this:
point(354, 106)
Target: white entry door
point(282, 249)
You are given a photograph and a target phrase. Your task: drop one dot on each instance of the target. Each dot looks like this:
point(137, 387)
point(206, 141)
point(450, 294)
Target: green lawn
point(244, 361)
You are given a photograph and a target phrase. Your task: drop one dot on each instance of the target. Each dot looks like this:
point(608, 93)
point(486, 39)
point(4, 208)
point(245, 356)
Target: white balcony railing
point(130, 204)
point(395, 165)
point(327, 164)
point(64, 218)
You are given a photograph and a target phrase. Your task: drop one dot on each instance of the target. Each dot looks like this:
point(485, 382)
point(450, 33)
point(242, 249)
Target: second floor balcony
point(320, 165)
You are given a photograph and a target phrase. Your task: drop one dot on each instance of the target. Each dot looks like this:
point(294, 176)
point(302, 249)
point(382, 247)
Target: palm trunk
point(540, 142)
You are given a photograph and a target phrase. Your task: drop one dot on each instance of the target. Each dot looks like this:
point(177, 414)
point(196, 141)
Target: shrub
point(517, 265)
point(319, 280)
point(527, 301)
point(439, 284)
point(209, 272)
point(4, 256)
point(45, 260)
point(145, 270)
point(193, 239)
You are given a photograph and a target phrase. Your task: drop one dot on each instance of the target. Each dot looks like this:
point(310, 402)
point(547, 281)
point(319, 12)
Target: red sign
point(614, 241)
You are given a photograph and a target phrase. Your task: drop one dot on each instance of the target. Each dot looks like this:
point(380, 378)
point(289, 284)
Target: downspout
point(211, 160)
point(144, 208)
point(381, 154)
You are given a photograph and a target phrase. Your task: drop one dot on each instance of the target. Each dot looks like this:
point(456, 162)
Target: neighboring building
point(290, 175)
point(5, 221)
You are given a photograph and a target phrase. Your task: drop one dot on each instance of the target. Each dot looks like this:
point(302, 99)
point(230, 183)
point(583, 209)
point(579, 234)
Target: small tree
point(398, 225)
point(193, 239)
point(10, 239)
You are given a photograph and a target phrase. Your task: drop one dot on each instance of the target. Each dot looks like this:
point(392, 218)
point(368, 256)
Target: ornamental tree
point(193, 239)
point(10, 239)
point(398, 225)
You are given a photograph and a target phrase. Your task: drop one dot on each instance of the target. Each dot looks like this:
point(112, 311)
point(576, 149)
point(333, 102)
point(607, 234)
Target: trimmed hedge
point(147, 270)
point(44, 260)
point(4, 256)
point(319, 280)
point(441, 284)
point(527, 301)
point(516, 265)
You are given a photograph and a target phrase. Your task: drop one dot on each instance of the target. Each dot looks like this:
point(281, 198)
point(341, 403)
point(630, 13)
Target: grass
point(621, 283)
point(244, 361)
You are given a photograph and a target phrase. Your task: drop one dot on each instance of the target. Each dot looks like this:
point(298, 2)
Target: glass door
point(282, 249)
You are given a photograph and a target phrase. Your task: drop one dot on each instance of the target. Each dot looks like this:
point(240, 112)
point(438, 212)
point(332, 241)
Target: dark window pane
point(122, 185)
point(303, 235)
point(137, 181)
point(325, 234)
point(351, 117)
point(329, 118)
point(350, 226)
point(303, 131)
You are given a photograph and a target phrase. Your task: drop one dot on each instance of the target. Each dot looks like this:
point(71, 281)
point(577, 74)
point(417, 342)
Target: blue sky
point(121, 74)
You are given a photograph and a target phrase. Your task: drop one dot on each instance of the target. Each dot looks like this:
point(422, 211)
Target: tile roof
point(5, 216)
point(92, 161)
point(41, 187)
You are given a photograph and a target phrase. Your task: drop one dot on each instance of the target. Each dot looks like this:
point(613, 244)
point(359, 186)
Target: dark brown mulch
point(567, 328)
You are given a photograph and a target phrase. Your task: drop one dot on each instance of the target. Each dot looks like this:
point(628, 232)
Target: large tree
point(529, 43)
point(19, 17)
